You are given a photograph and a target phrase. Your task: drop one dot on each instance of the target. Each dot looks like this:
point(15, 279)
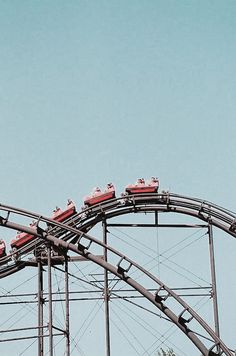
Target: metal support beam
point(193, 226)
point(156, 217)
point(67, 306)
point(213, 279)
point(40, 308)
point(157, 244)
point(50, 331)
point(106, 295)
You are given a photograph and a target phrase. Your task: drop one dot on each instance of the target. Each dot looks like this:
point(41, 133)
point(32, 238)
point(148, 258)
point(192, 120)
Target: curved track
point(73, 235)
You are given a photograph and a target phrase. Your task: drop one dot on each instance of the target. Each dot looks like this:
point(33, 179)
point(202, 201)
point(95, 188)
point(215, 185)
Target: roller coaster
point(55, 240)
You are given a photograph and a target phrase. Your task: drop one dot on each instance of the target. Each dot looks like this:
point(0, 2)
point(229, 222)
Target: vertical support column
point(106, 294)
point(156, 218)
point(50, 340)
point(67, 306)
point(157, 244)
point(213, 279)
point(40, 308)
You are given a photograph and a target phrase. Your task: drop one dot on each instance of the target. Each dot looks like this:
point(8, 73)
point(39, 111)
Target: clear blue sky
point(100, 91)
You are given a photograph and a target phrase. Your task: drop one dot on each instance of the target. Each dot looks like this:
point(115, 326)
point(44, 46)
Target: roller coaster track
point(73, 235)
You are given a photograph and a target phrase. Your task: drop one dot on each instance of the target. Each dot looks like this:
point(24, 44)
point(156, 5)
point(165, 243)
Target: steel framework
point(73, 235)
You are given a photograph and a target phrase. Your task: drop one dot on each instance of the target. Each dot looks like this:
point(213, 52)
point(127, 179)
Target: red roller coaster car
point(142, 187)
point(98, 196)
point(22, 238)
point(60, 215)
point(2, 248)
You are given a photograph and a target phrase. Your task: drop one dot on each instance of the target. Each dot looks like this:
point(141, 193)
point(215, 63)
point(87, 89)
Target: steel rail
point(206, 211)
point(86, 219)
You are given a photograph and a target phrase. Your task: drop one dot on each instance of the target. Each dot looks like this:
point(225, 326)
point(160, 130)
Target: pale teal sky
point(111, 90)
point(100, 91)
